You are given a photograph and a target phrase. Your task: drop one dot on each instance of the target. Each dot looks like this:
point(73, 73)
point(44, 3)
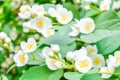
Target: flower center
point(53, 61)
point(64, 17)
point(88, 26)
point(29, 46)
point(117, 59)
point(40, 23)
point(22, 58)
point(48, 31)
point(26, 10)
point(91, 51)
point(97, 61)
point(84, 63)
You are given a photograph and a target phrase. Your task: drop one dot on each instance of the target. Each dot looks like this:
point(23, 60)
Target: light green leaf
point(108, 44)
point(98, 35)
point(94, 70)
point(108, 15)
point(92, 13)
point(41, 73)
point(73, 75)
point(91, 77)
point(113, 24)
point(47, 6)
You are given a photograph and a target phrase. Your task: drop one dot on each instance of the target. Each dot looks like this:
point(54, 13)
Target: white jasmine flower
point(83, 64)
point(114, 60)
point(21, 58)
point(29, 46)
point(38, 9)
point(25, 11)
point(105, 5)
point(3, 77)
point(53, 64)
point(48, 32)
point(64, 16)
point(75, 31)
point(98, 60)
point(70, 55)
point(87, 7)
point(54, 11)
point(116, 5)
point(41, 23)
point(86, 25)
point(3, 35)
point(79, 53)
point(13, 34)
point(7, 40)
point(91, 49)
point(55, 47)
point(46, 51)
point(107, 71)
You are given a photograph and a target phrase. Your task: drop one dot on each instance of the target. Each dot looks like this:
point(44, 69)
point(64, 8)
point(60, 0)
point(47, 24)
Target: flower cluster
point(21, 58)
point(37, 18)
point(85, 26)
point(4, 39)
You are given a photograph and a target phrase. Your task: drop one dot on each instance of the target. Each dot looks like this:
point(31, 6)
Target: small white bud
point(5, 45)
point(7, 40)
point(70, 56)
point(55, 47)
point(3, 35)
point(58, 64)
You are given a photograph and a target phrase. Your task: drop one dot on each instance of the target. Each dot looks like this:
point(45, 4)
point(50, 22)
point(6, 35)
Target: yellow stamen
point(26, 10)
point(117, 59)
point(22, 58)
point(64, 17)
point(30, 46)
point(91, 51)
point(84, 63)
point(40, 23)
point(97, 61)
point(88, 26)
point(48, 31)
point(53, 61)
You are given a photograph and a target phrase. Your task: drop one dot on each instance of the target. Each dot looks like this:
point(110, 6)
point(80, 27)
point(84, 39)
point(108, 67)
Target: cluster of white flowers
point(112, 62)
point(4, 39)
point(37, 19)
point(52, 57)
point(21, 58)
point(86, 58)
point(85, 26)
point(62, 15)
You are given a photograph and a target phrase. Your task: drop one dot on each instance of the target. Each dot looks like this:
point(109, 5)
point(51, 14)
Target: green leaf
point(47, 6)
point(94, 70)
point(92, 13)
point(108, 15)
point(72, 8)
point(108, 44)
point(91, 77)
point(113, 24)
point(73, 75)
point(98, 35)
point(41, 73)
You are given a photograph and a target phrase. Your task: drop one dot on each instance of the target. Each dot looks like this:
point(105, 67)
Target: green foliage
point(91, 77)
point(41, 73)
point(109, 44)
point(73, 75)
